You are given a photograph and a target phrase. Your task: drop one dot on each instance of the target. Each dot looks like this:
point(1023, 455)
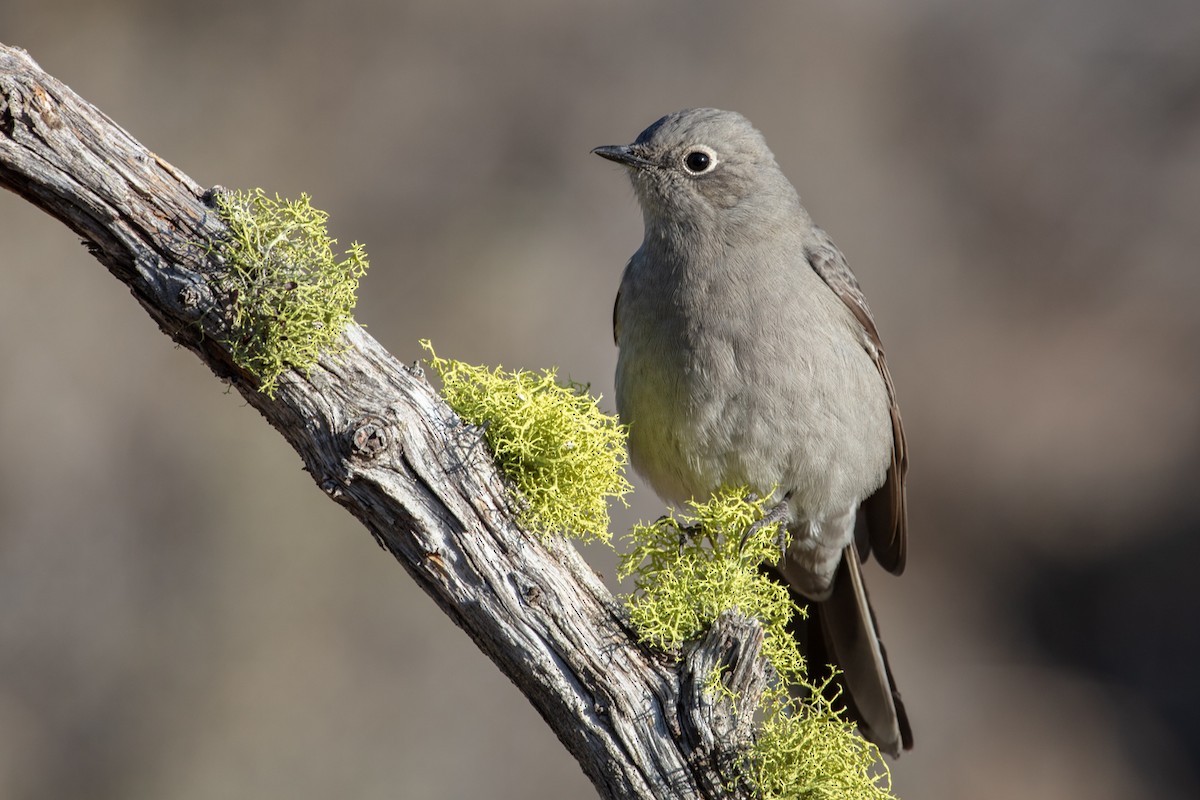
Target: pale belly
point(810, 423)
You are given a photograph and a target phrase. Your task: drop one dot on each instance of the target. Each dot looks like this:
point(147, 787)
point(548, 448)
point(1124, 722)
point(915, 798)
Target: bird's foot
point(686, 532)
point(776, 515)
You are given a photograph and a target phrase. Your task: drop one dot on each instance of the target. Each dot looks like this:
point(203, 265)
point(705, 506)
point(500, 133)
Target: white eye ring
point(699, 159)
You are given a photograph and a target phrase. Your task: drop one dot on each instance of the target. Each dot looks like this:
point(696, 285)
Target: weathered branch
point(380, 442)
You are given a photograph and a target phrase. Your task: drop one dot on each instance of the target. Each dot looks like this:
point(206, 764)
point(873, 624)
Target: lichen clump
point(806, 750)
point(690, 568)
point(565, 458)
point(290, 296)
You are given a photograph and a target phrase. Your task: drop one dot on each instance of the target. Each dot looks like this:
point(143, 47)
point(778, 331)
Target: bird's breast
point(726, 383)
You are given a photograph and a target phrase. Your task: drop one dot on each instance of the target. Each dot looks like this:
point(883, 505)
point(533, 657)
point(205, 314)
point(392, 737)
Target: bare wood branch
point(380, 442)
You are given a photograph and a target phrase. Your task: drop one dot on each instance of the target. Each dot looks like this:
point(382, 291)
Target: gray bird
point(748, 357)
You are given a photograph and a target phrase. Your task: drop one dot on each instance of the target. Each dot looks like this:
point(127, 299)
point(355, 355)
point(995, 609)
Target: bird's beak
point(622, 154)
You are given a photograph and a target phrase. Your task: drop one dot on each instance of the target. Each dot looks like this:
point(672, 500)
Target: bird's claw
point(776, 515)
point(687, 532)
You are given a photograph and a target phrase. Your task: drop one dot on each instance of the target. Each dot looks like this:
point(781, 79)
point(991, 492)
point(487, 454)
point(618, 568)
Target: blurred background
point(183, 614)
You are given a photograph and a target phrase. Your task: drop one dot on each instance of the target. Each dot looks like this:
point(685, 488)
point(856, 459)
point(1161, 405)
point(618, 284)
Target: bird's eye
point(698, 161)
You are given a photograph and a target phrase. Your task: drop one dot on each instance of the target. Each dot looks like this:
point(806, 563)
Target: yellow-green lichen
point(687, 570)
point(806, 750)
point(563, 455)
point(290, 297)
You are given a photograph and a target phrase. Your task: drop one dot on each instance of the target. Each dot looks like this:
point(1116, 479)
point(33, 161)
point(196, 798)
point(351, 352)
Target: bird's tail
point(841, 631)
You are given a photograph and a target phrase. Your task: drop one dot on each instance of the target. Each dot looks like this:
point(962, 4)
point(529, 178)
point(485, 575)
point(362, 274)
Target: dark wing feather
point(616, 322)
point(886, 510)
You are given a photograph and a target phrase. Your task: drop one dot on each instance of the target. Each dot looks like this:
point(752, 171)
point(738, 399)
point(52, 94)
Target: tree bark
point(378, 440)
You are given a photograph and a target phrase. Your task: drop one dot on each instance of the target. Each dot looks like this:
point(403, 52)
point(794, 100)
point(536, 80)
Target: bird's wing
point(616, 319)
point(886, 510)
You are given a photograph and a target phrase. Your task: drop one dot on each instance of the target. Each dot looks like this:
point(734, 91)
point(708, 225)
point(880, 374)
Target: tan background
point(183, 615)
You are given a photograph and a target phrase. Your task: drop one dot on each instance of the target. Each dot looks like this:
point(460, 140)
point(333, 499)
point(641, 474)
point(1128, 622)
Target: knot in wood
point(532, 593)
point(209, 198)
point(195, 298)
point(369, 437)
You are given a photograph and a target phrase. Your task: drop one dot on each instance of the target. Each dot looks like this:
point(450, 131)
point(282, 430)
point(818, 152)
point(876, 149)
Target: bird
point(748, 356)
